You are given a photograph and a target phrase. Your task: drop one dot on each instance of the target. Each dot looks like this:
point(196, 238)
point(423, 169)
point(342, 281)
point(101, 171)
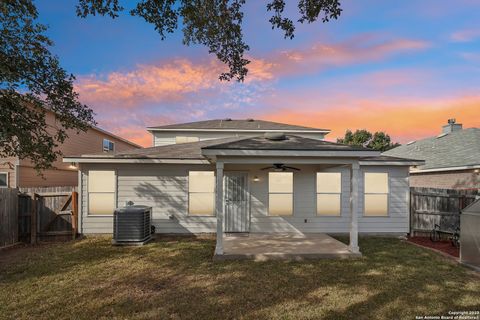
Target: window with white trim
point(329, 191)
point(108, 146)
point(201, 193)
point(101, 192)
point(184, 139)
point(280, 193)
point(376, 194)
point(3, 179)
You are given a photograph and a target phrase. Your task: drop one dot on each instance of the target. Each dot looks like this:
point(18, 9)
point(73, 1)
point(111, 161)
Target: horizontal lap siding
point(305, 202)
point(165, 188)
point(169, 137)
point(304, 197)
point(398, 202)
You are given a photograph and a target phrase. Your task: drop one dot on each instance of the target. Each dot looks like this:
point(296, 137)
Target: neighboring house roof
point(191, 150)
point(195, 151)
point(115, 136)
point(236, 125)
point(448, 151)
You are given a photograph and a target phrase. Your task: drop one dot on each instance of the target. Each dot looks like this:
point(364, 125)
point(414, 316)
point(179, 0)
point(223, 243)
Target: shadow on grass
point(175, 277)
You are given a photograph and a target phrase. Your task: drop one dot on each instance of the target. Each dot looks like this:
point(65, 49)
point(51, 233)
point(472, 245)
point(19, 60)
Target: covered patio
point(262, 247)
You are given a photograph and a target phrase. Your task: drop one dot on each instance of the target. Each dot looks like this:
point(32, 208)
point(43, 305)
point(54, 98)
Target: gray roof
point(456, 149)
point(191, 150)
point(290, 143)
point(229, 124)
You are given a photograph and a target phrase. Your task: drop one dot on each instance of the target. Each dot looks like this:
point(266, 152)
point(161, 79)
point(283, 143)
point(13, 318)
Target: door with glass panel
point(237, 202)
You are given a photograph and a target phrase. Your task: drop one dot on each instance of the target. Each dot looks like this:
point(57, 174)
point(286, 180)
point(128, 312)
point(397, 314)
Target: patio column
point(354, 207)
point(219, 209)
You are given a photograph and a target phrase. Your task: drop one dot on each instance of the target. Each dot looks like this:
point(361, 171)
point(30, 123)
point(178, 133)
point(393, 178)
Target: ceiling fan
point(280, 167)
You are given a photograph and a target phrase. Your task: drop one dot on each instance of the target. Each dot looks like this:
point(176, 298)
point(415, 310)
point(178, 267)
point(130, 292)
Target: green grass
point(175, 278)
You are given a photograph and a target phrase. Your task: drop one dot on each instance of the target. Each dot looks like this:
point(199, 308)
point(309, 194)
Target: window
point(376, 194)
point(3, 179)
point(108, 146)
point(280, 193)
point(329, 190)
point(101, 192)
point(201, 193)
point(183, 139)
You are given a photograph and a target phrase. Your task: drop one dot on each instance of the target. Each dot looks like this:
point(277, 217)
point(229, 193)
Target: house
point(452, 158)
point(19, 173)
point(277, 178)
point(225, 128)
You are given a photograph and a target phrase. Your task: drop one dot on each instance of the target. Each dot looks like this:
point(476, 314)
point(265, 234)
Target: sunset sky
point(403, 67)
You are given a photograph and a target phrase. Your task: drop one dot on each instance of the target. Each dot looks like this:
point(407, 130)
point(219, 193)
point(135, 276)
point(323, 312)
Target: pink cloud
point(163, 82)
point(180, 90)
point(467, 35)
point(358, 50)
point(174, 80)
point(404, 118)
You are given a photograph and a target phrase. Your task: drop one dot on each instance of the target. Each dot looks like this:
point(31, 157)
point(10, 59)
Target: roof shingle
point(455, 149)
point(229, 124)
point(290, 143)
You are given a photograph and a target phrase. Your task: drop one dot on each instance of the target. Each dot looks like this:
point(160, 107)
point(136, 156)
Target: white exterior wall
point(165, 188)
point(162, 138)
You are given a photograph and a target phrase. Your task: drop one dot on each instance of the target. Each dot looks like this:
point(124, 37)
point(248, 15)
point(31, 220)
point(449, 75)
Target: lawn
point(175, 278)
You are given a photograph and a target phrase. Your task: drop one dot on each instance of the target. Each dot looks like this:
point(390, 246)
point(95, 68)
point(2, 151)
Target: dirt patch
point(444, 246)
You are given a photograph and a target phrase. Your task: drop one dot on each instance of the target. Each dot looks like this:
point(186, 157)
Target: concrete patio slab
point(262, 247)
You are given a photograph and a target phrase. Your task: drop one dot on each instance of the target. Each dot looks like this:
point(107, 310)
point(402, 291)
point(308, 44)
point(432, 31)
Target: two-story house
point(15, 172)
point(247, 176)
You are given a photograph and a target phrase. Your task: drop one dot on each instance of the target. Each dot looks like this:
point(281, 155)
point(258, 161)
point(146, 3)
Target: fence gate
point(430, 206)
point(48, 214)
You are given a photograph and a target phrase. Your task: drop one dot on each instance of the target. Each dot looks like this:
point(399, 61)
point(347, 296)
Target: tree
point(32, 82)
point(378, 141)
point(217, 24)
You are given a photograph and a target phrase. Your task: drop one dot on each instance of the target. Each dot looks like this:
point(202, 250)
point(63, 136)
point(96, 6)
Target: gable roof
point(452, 150)
point(236, 125)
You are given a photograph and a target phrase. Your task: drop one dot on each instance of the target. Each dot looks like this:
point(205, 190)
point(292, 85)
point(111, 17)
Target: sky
point(403, 67)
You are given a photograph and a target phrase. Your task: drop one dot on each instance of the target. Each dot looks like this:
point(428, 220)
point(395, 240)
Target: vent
point(132, 225)
point(275, 136)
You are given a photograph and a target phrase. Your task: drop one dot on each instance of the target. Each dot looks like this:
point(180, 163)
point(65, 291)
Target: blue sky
point(399, 66)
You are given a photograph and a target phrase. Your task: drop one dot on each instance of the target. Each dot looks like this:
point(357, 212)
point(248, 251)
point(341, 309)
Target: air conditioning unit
point(132, 225)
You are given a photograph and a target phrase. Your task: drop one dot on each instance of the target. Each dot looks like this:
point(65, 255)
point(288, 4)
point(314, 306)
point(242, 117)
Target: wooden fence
point(429, 206)
point(39, 214)
point(8, 217)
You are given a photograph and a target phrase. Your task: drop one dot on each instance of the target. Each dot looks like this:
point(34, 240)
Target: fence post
point(33, 219)
point(74, 214)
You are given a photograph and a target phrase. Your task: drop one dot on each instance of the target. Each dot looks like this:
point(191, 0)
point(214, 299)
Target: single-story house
point(277, 178)
point(452, 158)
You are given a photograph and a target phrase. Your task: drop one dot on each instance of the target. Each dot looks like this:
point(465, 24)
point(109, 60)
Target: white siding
point(161, 138)
point(165, 188)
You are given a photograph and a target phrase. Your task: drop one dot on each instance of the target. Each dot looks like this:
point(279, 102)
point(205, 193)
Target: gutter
point(141, 160)
point(470, 167)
